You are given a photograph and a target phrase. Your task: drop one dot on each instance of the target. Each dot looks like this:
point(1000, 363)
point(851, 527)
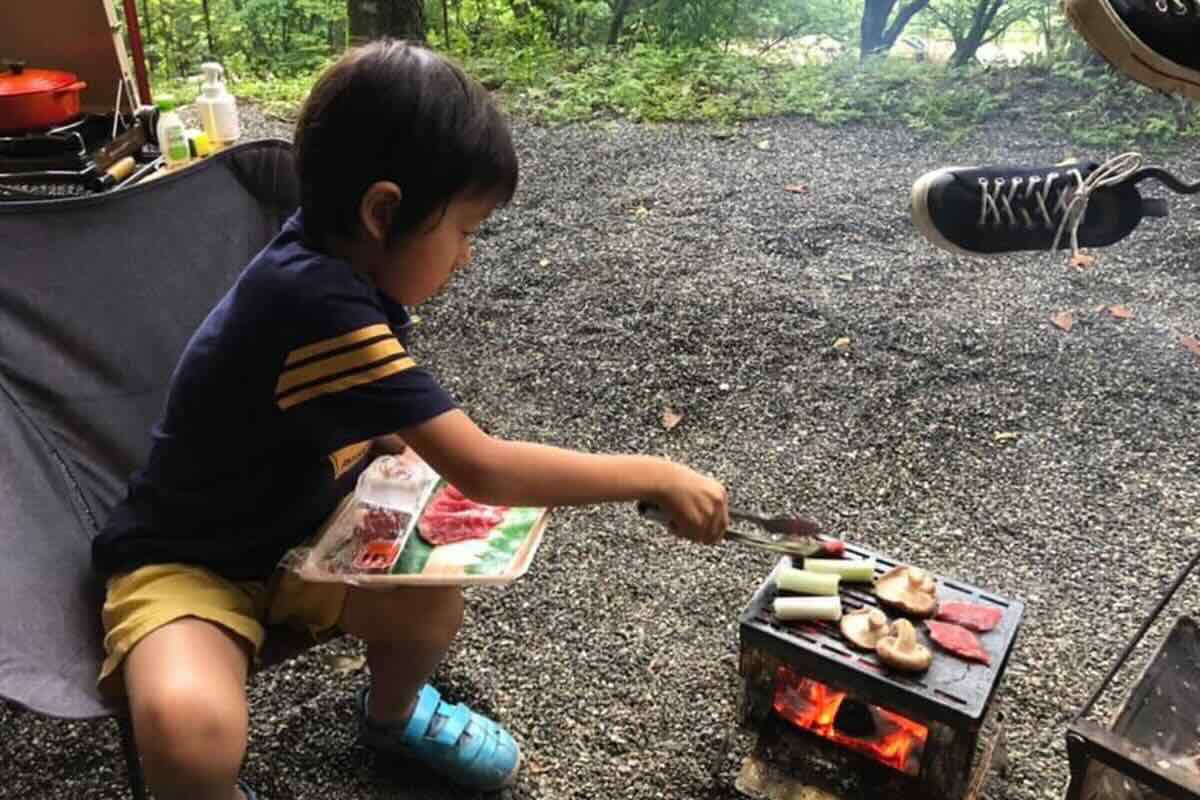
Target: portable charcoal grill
point(1151, 749)
point(838, 719)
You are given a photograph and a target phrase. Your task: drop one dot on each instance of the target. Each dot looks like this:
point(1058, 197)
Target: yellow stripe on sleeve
point(338, 342)
point(348, 382)
point(335, 365)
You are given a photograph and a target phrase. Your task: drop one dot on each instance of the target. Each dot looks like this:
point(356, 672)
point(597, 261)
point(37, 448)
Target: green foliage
point(684, 60)
point(691, 23)
point(261, 37)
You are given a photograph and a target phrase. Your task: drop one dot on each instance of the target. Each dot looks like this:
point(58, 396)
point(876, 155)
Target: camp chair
point(98, 297)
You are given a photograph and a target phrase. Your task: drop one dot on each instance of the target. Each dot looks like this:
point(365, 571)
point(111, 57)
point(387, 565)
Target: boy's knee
point(432, 614)
point(182, 727)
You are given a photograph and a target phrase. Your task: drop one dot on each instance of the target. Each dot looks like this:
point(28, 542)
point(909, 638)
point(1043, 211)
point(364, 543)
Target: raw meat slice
point(958, 641)
point(440, 528)
point(451, 517)
point(380, 524)
point(971, 616)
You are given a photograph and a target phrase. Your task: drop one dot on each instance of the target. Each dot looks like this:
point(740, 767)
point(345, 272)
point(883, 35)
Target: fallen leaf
point(1082, 260)
point(1063, 320)
point(765, 144)
point(345, 664)
point(671, 418)
point(796, 188)
point(545, 262)
point(1005, 436)
point(536, 768)
point(1121, 312)
point(842, 343)
point(1192, 343)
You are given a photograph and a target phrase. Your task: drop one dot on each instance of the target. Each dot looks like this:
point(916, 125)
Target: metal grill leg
point(133, 764)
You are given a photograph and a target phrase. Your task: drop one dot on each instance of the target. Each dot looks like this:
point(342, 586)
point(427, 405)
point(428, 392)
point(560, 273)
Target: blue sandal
point(246, 790)
point(466, 747)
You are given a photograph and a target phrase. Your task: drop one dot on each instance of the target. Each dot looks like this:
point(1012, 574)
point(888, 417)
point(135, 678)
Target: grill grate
point(952, 691)
point(42, 191)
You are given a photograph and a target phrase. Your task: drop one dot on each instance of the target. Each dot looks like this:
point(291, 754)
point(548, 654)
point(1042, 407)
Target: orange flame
point(813, 706)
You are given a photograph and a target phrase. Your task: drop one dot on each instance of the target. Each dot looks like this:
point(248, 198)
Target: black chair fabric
point(98, 297)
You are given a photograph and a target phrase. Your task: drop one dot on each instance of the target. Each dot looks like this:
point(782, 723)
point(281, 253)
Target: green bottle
point(172, 136)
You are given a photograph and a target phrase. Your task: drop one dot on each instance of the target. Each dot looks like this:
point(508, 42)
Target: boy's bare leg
point(186, 684)
point(407, 631)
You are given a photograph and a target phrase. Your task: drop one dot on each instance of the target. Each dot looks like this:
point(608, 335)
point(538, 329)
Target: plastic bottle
point(171, 133)
point(217, 107)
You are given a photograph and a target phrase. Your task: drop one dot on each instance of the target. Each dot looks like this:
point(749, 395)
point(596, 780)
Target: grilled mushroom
point(908, 589)
point(864, 627)
point(901, 650)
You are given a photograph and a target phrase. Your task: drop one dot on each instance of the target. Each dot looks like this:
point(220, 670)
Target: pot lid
point(16, 79)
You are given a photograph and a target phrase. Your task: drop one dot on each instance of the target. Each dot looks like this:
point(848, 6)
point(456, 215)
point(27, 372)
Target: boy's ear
point(377, 207)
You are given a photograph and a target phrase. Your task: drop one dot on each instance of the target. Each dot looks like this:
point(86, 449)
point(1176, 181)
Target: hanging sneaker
point(1152, 41)
point(982, 211)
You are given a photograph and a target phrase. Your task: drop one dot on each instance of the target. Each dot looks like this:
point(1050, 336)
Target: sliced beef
point(958, 641)
point(450, 517)
point(971, 615)
point(380, 524)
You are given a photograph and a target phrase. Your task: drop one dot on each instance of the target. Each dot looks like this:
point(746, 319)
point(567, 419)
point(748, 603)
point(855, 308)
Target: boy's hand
point(697, 505)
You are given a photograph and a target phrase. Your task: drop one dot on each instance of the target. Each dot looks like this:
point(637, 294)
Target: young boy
point(271, 415)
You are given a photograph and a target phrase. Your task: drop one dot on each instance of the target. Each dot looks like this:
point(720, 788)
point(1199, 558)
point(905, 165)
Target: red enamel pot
point(36, 99)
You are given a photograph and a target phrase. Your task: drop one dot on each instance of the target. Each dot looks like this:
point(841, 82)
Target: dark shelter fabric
point(98, 296)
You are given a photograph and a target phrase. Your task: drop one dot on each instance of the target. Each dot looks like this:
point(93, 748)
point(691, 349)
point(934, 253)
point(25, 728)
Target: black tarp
point(98, 296)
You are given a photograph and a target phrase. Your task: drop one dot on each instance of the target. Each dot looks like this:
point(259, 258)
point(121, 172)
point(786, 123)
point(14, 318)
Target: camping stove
point(71, 159)
point(835, 719)
point(1151, 748)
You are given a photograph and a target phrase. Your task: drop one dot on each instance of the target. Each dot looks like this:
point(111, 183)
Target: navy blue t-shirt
point(270, 416)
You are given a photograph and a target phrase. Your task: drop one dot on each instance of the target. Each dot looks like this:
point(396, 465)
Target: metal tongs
point(794, 536)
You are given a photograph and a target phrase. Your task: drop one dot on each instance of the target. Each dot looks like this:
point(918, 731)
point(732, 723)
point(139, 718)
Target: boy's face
point(419, 266)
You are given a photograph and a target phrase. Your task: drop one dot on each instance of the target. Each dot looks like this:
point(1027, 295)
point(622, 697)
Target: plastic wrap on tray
point(368, 532)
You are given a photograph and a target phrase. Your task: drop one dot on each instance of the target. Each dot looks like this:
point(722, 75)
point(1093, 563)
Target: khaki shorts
point(139, 602)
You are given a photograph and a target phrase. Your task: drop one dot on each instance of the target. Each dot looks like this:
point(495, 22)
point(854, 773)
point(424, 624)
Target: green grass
point(1083, 108)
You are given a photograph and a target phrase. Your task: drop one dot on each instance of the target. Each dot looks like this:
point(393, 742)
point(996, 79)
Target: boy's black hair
point(396, 111)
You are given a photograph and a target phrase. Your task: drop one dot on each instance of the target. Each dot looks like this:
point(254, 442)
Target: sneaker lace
point(1045, 200)
point(1111, 172)
point(1180, 8)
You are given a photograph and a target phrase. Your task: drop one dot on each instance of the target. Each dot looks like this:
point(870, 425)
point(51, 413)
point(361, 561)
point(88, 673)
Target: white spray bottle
point(217, 107)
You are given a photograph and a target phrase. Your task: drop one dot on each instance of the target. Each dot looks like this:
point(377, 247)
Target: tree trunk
point(875, 35)
point(618, 21)
point(372, 19)
point(212, 49)
point(874, 20)
point(1046, 22)
point(985, 16)
point(146, 18)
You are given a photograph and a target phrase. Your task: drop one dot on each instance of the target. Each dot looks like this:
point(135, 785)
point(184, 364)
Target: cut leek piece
point(857, 570)
point(802, 608)
point(802, 581)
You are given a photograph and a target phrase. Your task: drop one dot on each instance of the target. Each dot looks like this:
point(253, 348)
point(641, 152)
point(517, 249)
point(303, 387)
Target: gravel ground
point(643, 267)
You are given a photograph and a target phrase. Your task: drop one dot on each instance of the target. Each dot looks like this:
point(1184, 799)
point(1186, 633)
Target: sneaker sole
point(922, 219)
point(1107, 34)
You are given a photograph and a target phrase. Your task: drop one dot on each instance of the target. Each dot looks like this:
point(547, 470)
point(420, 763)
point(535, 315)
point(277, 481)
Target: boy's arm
point(500, 472)
point(389, 444)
